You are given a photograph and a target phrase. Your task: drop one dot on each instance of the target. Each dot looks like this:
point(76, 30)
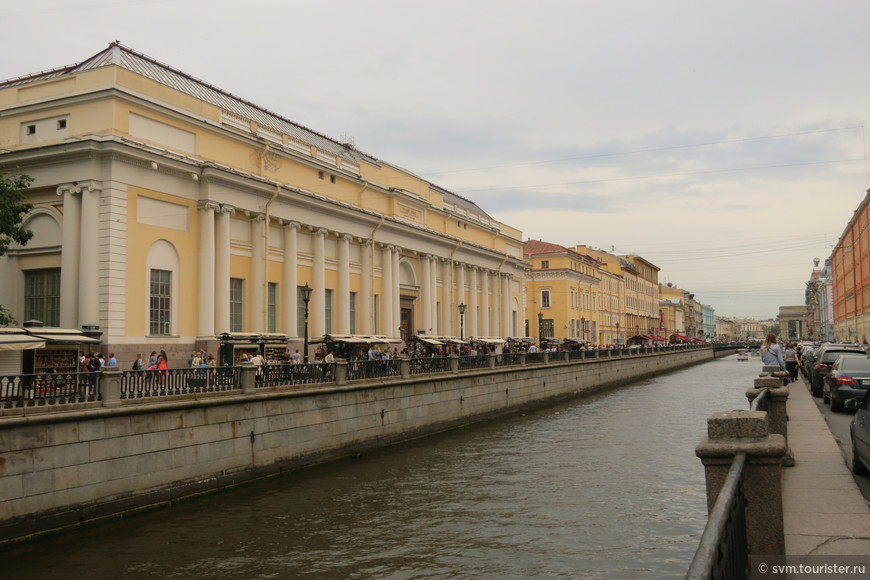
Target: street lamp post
point(306, 298)
point(541, 328)
point(617, 333)
point(583, 328)
point(462, 307)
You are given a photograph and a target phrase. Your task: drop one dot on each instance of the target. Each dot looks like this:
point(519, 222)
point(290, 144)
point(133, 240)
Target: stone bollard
point(405, 367)
point(545, 356)
point(492, 360)
point(777, 416)
point(341, 371)
point(522, 359)
point(110, 387)
point(454, 364)
point(248, 378)
point(733, 432)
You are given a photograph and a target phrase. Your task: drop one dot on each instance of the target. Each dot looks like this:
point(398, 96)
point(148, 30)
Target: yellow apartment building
point(169, 211)
point(563, 290)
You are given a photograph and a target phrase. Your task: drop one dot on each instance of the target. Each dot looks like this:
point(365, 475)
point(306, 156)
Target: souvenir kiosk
point(63, 349)
point(234, 346)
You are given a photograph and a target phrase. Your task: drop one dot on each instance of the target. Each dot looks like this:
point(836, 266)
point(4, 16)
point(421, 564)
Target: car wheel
point(858, 468)
point(826, 398)
point(815, 391)
point(836, 406)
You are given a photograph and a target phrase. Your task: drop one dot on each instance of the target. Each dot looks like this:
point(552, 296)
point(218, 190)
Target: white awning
point(63, 335)
point(19, 339)
point(431, 341)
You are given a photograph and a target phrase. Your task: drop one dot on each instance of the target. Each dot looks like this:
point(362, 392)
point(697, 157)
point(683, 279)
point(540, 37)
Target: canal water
point(601, 487)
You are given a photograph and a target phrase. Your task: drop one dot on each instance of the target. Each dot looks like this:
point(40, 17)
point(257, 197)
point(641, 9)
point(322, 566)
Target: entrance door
point(406, 324)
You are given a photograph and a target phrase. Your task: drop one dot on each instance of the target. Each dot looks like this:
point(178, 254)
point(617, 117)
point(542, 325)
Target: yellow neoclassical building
point(169, 211)
point(564, 291)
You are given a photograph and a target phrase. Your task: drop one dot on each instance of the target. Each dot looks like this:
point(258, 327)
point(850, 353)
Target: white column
point(426, 293)
point(365, 306)
point(258, 273)
point(222, 269)
point(433, 264)
point(486, 304)
point(397, 292)
point(473, 312)
point(290, 279)
point(343, 290)
point(89, 272)
point(386, 291)
point(506, 305)
point(70, 257)
point(447, 302)
point(317, 308)
point(205, 295)
point(460, 287)
point(495, 317)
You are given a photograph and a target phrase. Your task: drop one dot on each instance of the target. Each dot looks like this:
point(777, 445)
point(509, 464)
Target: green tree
point(12, 212)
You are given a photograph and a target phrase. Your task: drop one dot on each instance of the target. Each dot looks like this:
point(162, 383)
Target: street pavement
point(824, 511)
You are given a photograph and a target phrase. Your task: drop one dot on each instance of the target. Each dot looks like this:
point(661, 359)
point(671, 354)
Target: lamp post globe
point(462, 308)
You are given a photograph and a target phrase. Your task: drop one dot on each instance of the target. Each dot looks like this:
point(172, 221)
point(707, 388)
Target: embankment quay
point(605, 485)
point(137, 440)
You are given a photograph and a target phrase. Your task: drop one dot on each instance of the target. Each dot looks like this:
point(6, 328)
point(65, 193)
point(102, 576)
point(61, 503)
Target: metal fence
point(56, 389)
point(159, 383)
point(48, 389)
point(722, 552)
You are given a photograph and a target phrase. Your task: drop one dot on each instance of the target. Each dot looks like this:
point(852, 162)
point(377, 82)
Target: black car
point(849, 378)
point(808, 355)
point(860, 433)
point(823, 358)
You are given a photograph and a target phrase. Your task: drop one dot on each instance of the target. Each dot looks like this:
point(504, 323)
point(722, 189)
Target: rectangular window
point(161, 303)
point(237, 304)
point(327, 298)
point(545, 264)
point(42, 296)
point(376, 313)
point(353, 312)
point(545, 299)
point(300, 312)
point(273, 308)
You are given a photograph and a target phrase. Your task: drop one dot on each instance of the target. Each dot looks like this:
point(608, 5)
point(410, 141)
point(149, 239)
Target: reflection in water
point(602, 487)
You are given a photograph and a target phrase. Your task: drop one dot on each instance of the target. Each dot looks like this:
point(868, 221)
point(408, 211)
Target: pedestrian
point(112, 362)
point(771, 352)
point(790, 357)
point(138, 364)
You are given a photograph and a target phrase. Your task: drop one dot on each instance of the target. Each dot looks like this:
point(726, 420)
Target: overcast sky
point(723, 141)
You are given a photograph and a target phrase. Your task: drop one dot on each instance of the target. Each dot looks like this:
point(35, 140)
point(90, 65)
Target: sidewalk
point(824, 512)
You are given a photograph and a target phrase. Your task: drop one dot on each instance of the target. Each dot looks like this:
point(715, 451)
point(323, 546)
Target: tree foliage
point(12, 210)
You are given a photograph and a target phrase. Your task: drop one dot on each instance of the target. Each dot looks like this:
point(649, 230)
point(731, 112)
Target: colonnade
point(486, 292)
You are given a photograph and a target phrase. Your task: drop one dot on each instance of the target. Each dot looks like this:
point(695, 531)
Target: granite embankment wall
point(63, 468)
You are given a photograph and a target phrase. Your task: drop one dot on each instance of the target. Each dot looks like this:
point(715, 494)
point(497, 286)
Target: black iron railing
point(159, 383)
point(48, 389)
point(722, 551)
point(56, 389)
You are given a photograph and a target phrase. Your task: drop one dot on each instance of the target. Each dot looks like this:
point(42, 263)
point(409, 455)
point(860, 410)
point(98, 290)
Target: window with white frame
point(237, 304)
point(42, 295)
point(272, 323)
point(160, 306)
point(545, 299)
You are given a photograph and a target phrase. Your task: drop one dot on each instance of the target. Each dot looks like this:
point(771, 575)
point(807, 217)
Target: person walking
point(790, 357)
point(771, 352)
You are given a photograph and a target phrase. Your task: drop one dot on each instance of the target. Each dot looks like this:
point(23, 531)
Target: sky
point(725, 142)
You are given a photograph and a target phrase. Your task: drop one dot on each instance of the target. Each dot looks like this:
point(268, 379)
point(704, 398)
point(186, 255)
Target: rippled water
point(601, 487)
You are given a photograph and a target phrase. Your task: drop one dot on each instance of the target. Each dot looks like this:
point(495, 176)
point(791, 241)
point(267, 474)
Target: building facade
point(850, 268)
point(168, 211)
point(564, 290)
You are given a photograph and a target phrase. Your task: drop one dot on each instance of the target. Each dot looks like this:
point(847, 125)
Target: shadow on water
point(606, 486)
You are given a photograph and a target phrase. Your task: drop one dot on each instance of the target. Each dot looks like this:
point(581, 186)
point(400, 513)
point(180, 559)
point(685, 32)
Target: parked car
point(823, 358)
point(849, 378)
point(808, 355)
point(859, 431)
